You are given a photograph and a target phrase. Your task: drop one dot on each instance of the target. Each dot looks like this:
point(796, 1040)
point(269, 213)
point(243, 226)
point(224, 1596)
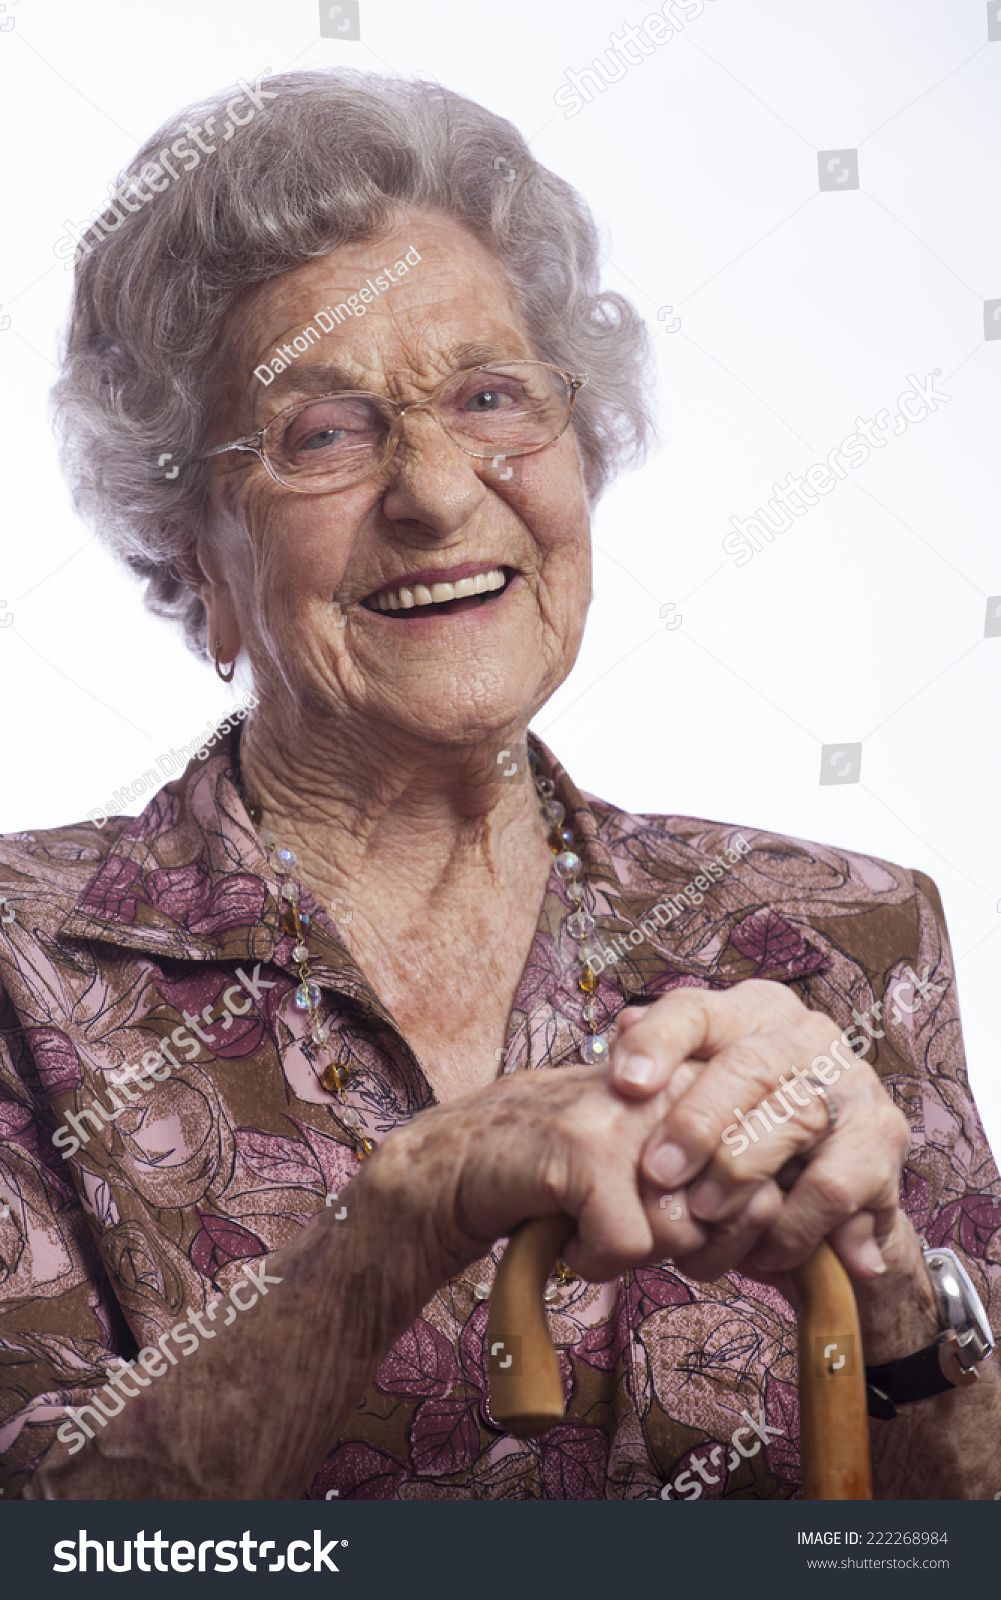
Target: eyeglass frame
point(254, 442)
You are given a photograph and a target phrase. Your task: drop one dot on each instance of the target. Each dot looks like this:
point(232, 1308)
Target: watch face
point(959, 1302)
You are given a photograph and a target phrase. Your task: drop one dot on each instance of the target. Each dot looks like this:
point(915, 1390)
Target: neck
point(390, 823)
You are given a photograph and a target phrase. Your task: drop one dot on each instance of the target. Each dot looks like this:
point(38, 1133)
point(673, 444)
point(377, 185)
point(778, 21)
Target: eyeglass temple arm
point(252, 443)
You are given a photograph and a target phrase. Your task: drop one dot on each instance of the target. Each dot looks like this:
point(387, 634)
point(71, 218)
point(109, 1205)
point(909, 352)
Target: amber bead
point(289, 919)
point(588, 981)
point(560, 839)
point(364, 1148)
point(336, 1076)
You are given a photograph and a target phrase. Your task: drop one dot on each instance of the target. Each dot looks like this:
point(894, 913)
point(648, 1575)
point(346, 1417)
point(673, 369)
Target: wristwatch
point(951, 1361)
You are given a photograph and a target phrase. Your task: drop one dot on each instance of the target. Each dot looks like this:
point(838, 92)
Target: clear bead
point(300, 953)
point(287, 859)
point(320, 1035)
point(350, 1118)
point(553, 812)
point(290, 890)
point(551, 1294)
point(590, 1012)
point(575, 890)
point(307, 996)
point(593, 1049)
point(580, 924)
point(569, 864)
point(481, 1291)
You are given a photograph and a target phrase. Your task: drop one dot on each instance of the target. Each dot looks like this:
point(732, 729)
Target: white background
point(800, 311)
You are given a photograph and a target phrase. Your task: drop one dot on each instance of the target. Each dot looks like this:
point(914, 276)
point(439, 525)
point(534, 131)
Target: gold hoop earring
point(227, 677)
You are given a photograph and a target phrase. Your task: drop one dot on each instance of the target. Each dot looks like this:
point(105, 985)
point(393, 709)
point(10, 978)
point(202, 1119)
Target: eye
point(322, 440)
point(488, 400)
point(328, 427)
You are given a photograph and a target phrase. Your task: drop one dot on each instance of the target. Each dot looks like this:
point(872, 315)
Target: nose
point(433, 488)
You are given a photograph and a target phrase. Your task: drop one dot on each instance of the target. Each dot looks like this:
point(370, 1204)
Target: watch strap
point(914, 1377)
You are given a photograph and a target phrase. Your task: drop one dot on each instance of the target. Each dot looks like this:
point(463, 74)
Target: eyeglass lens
point(505, 409)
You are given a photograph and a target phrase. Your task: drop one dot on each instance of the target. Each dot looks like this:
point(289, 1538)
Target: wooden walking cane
point(526, 1390)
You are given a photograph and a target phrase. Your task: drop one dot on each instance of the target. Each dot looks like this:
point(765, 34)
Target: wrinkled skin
point(373, 755)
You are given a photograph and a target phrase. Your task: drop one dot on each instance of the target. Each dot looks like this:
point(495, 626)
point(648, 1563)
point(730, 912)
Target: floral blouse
point(165, 930)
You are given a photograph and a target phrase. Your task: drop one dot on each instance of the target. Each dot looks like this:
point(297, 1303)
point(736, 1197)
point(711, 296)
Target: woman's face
point(293, 577)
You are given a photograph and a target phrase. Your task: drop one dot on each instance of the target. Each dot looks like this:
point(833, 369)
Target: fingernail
point(666, 1164)
point(707, 1200)
point(871, 1257)
point(635, 1069)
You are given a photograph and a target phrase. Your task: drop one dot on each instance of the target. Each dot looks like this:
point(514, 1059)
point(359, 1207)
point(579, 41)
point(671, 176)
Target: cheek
point(292, 553)
point(554, 509)
point(565, 576)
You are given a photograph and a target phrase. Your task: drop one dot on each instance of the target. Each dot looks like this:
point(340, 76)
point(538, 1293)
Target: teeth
point(404, 599)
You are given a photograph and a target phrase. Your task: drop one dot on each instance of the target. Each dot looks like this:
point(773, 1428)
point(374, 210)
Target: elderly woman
point(289, 1055)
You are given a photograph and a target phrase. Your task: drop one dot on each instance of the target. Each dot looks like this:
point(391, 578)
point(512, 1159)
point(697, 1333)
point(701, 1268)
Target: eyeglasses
point(316, 446)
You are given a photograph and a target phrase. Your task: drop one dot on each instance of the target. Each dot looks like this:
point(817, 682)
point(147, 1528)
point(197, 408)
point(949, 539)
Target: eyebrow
point(321, 378)
point(328, 377)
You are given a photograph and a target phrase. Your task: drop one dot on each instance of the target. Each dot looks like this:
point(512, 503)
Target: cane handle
point(833, 1417)
point(526, 1389)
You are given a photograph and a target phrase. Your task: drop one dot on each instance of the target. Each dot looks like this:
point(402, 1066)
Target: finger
point(613, 1233)
point(652, 1040)
point(722, 1187)
point(852, 1173)
point(596, 1178)
point(675, 1231)
point(857, 1245)
point(731, 1241)
point(742, 1073)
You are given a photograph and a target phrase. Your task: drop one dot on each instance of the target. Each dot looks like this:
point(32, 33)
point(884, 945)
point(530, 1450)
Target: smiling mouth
point(440, 599)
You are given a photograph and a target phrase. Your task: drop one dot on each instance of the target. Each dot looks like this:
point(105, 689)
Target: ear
point(199, 569)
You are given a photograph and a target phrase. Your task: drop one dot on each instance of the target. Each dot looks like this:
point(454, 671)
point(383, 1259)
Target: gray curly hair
point(328, 159)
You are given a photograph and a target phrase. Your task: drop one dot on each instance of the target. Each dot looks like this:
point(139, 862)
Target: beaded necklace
point(336, 1075)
